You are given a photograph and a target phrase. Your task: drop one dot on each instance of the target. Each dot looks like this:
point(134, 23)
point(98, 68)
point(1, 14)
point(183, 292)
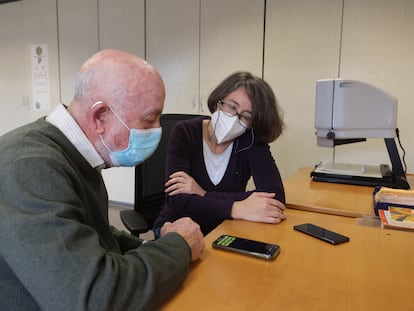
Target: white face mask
point(226, 127)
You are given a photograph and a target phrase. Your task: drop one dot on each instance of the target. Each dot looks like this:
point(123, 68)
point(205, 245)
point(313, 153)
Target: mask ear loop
point(248, 147)
point(103, 142)
point(97, 103)
point(116, 115)
point(114, 112)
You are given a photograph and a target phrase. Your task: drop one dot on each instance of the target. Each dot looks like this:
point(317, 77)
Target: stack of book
point(395, 208)
point(401, 218)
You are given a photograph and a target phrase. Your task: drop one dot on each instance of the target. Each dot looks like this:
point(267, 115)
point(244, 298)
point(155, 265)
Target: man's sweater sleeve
point(63, 262)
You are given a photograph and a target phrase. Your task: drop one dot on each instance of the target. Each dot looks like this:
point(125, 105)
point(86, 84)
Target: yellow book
point(397, 218)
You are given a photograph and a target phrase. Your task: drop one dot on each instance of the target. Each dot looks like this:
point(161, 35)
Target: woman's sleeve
point(266, 175)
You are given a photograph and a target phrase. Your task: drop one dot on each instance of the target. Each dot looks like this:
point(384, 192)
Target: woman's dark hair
point(267, 121)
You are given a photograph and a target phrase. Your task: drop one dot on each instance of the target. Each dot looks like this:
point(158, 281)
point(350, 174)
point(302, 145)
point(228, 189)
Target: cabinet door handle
point(195, 102)
point(201, 105)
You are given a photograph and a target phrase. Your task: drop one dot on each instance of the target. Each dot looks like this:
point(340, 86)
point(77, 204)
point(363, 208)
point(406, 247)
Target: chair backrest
point(150, 175)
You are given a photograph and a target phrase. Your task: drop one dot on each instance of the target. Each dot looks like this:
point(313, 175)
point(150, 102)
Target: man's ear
point(98, 116)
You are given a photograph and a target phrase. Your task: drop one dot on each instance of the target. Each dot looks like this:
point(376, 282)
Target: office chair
point(149, 182)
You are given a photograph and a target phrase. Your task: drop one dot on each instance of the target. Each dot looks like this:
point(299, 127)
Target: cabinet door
point(196, 44)
point(231, 39)
point(121, 26)
point(19, 30)
point(172, 45)
point(78, 40)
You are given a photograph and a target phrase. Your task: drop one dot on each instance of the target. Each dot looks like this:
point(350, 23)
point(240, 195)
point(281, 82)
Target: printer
point(348, 111)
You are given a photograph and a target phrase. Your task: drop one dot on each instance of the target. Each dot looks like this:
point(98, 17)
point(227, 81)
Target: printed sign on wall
point(40, 77)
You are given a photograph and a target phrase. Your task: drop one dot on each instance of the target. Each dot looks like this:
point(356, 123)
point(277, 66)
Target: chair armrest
point(134, 222)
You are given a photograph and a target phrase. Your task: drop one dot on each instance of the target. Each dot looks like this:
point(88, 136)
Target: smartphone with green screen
point(247, 247)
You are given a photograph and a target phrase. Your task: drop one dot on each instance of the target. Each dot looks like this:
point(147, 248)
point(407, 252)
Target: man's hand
point(190, 231)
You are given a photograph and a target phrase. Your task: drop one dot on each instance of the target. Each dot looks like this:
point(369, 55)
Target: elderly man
point(57, 249)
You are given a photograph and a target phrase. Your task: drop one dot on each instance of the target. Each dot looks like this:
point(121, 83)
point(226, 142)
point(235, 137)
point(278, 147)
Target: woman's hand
point(181, 182)
point(260, 207)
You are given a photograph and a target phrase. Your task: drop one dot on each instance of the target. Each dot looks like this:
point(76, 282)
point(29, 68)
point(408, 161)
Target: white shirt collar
point(63, 120)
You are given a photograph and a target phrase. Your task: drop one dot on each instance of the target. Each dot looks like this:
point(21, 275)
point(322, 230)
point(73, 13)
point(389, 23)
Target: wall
point(303, 41)
point(368, 40)
point(19, 29)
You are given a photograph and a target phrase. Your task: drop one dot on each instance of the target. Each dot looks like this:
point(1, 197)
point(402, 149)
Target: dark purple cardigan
point(185, 153)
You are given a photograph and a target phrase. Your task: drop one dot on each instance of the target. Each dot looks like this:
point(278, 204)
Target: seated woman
point(210, 160)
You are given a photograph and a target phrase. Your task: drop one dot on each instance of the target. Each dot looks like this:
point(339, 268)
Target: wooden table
point(371, 272)
point(332, 198)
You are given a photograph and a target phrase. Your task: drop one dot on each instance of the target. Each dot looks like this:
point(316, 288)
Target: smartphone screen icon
point(247, 247)
point(322, 233)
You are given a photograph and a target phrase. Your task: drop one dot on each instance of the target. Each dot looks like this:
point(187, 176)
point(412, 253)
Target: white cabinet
point(231, 39)
point(78, 40)
point(193, 43)
point(172, 46)
point(121, 26)
point(86, 26)
point(196, 44)
point(19, 30)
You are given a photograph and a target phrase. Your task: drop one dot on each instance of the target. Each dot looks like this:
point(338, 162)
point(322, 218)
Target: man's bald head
point(121, 82)
point(117, 77)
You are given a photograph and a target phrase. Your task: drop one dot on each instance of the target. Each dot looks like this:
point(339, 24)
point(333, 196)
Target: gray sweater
point(57, 249)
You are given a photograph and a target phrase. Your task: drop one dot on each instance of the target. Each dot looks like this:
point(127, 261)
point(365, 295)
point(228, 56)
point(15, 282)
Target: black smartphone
point(247, 247)
point(322, 233)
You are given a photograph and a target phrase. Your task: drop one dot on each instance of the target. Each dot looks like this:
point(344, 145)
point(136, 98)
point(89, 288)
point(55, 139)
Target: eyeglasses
point(245, 118)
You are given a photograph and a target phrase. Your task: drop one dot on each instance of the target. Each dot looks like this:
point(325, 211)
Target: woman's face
point(238, 103)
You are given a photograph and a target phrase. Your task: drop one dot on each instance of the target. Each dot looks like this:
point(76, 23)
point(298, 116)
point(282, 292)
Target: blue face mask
point(142, 144)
